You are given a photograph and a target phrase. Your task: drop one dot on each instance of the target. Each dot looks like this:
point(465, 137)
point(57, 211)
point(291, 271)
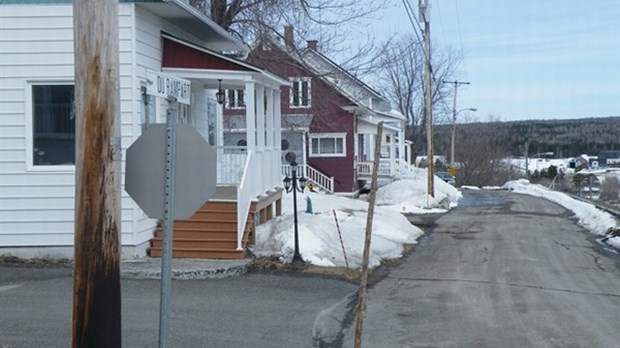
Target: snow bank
point(588, 216)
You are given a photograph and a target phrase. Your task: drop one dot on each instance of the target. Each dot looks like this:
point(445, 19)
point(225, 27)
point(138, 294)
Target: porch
point(394, 152)
point(248, 177)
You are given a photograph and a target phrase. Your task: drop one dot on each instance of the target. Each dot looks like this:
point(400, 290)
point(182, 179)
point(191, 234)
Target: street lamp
point(454, 114)
point(295, 184)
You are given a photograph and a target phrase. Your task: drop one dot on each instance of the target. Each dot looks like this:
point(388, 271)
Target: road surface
point(501, 270)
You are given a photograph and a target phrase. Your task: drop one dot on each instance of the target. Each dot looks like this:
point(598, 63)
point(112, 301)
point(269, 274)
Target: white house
point(37, 175)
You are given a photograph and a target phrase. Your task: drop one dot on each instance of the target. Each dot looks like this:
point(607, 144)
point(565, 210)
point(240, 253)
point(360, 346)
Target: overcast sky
point(527, 59)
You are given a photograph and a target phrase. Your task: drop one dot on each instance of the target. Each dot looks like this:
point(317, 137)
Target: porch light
point(295, 184)
point(220, 95)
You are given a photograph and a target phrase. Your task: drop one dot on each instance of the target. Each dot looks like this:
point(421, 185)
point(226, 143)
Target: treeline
point(565, 138)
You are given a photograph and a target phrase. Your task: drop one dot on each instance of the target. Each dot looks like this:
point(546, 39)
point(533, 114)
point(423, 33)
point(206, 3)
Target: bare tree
point(400, 67)
point(320, 20)
point(482, 150)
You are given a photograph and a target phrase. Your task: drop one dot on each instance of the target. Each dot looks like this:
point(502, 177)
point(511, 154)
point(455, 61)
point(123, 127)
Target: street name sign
point(164, 86)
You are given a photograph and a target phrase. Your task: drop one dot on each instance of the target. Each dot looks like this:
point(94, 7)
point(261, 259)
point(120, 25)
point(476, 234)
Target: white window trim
point(29, 148)
point(343, 136)
point(300, 79)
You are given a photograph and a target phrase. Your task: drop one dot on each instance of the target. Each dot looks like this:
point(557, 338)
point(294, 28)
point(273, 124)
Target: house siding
point(37, 202)
point(327, 117)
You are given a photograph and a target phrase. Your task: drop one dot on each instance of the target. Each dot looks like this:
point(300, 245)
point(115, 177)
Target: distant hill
point(566, 138)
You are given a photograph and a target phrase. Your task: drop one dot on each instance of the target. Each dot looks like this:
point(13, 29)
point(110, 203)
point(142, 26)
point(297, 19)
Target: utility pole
point(456, 88)
point(361, 298)
point(96, 272)
point(428, 101)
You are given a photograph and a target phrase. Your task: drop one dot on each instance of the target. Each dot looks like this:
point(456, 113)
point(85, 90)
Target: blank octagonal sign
point(195, 171)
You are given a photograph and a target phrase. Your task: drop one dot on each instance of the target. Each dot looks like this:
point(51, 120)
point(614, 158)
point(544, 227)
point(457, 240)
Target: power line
point(414, 21)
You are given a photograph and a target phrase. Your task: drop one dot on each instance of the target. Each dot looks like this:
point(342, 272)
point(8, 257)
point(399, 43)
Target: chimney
point(312, 44)
point(289, 36)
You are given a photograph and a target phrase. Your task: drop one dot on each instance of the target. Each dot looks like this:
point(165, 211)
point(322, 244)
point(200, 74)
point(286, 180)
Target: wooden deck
point(211, 233)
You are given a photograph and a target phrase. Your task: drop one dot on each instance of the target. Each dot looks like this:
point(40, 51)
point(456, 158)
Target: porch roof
point(386, 124)
point(194, 62)
point(188, 18)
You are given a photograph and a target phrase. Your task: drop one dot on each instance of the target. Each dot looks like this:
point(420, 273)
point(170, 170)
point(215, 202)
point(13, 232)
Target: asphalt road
point(501, 270)
point(255, 310)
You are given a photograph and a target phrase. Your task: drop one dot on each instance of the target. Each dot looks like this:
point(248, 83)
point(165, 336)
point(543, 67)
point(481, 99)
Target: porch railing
point(386, 168)
point(252, 172)
point(245, 194)
point(319, 179)
point(365, 168)
point(231, 162)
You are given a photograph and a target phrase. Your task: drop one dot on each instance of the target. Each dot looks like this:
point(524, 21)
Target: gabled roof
point(366, 99)
point(350, 86)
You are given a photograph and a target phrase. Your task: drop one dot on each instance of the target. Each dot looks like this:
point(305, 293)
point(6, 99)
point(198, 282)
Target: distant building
point(609, 158)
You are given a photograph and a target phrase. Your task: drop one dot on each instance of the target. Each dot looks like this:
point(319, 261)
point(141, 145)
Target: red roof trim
point(177, 55)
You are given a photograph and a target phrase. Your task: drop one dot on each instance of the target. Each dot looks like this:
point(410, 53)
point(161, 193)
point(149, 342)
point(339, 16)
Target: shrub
point(610, 188)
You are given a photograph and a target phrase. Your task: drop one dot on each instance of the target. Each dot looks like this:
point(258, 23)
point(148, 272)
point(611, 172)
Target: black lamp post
point(295, 184)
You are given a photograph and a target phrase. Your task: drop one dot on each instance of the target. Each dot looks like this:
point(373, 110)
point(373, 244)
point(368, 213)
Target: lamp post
point(454, 114)
point(295, 184)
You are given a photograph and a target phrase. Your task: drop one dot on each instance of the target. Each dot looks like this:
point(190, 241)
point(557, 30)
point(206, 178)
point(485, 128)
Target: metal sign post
point(165, 161)
point(166, 259)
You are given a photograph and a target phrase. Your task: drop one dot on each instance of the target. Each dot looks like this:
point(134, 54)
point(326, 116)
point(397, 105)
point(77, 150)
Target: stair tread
point(200, 239)
point(202, 249)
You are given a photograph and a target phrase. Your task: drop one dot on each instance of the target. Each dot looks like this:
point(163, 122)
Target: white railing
point(230, 164)
point(365, 168)
point(245, 194)
point(319, 179)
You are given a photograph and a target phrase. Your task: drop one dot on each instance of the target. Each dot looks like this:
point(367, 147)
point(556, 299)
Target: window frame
point(334, 136)
point(299, 93)
point(29, 125)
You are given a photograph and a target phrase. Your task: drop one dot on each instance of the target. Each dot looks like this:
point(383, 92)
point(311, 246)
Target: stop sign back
point(195, 171)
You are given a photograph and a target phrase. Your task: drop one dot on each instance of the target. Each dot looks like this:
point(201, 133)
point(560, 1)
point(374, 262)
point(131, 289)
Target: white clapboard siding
point(36, 45)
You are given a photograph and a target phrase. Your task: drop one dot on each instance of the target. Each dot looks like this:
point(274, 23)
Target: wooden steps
point(210, 233)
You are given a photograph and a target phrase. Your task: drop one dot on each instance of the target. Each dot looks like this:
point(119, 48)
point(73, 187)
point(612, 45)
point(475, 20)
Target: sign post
point(186, 166)
point(166, 257)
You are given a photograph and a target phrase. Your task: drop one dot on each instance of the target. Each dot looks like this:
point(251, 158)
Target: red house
point(329, 118)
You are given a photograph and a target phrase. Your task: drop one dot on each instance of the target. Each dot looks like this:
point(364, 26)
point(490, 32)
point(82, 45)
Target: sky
point(526, 59)
point(321, 243)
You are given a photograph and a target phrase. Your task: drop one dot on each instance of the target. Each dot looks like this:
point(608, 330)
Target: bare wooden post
point(96, 274)
point(361, 298)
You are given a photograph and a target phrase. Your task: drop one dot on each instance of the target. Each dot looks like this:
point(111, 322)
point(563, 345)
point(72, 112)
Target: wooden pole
point(361, 298)
point(96, 274)
point(428, 99)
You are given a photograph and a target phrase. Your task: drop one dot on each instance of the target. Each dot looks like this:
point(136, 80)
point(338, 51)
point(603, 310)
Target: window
point(328, 145)
point(300, 92)
point(53, 125)
point(235, 99)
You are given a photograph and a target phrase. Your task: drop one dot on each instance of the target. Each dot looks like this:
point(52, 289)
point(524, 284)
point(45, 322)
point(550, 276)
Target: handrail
point(244, 198)
point(319, 179)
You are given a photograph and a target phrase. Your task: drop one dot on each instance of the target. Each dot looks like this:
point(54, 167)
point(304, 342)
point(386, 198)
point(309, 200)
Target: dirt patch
point(273, 264)
point(37, 261)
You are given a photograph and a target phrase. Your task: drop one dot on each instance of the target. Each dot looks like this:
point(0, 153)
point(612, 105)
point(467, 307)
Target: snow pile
point(319, 238)
point(588, 216)
point(408, 195)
